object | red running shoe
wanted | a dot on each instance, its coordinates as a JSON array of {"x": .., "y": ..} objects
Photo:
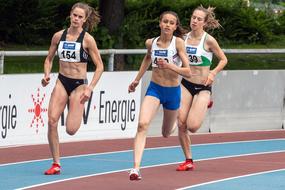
[
  {"x": 54, "y": 170},
  {"x": 210, "y": 104},
  {"x": 185, "y": 166}
]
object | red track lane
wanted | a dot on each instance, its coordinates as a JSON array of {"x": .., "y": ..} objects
[
  {"x": 164, "y": 177},
  {"x": 34, "y": 152}
]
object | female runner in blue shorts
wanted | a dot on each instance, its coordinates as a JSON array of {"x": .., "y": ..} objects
[{"x": 163, "y": 53}]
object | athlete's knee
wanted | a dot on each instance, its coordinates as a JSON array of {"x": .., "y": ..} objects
[
  {"x": 52, "y": 122},
  {"x": 71, "y": 128},
  {"x": 142, "y": 126},
  {"x": 166, "y": 134},
  {"x": 168, "y": 130},
  {"x": 193, "y": 130},
  {"x": 193, "y": 126},
  {"x": 182, "y": 127},
  {"x": 71, "y": 131}
]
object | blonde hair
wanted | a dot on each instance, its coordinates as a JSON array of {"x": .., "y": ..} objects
[
  {"x": 210, "y": 20},
  {"x": 93, "y": 17}
]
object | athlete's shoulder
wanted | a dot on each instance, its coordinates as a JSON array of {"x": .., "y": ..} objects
[
  {"x": 179, "y": 41},
  {"x": 88, "y": 38},
  {"x": 210, "y": 40},
  {"x": 148, "y": 42},
  {"x": 59, "y": 33},
  {"x": 88, "y": 35},
  {"x": 56, "y": 36},
  {"x": 209, "y": 37}
]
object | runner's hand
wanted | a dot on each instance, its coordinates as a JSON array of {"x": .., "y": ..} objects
[
  {"x": 162, "y": 63},
  {"x": 132, "y": 86},
  {"x": 210, "y": 79},
  {"x": 45, "y": 81},
  {"x": 85, "y": 95}
]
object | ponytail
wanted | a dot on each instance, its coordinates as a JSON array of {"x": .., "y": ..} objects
[{"x": 210, "y": 20}]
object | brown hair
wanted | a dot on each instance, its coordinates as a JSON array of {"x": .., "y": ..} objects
[
  {"x": 93, "y": 17},
  {"x": 180, "y": 31},
  {"x": 210, "y": 20}
]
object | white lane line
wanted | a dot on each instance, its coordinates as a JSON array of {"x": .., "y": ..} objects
[
  {"x": 157, "y": 165},
  {"x": 230, "y": 178},
  {"x": 165, "y": 147}
]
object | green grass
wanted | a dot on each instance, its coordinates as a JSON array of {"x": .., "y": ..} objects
[
  {"x": 277, "y": 42},
  {"x": 35, "y": 64},
  {"x": 25, "y": 65},
  {"x": 20, "y": 47},
  {"x": 235, "y": 61},
  {"x": 255, "y": 61}
]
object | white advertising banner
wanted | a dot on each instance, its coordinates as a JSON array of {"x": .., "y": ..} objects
[{"x": 111, "y": 112}]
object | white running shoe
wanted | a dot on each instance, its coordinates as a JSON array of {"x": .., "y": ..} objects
[{"x": 135, "y": 174}]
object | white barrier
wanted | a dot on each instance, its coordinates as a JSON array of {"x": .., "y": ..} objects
[
  {"x": 111, "y": 112},
  {"x": 112, "y": 52},
  {"x": 243, "y": 101},
  {"x": 248, "y": 100}
]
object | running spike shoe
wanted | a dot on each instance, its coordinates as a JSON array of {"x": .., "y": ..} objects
[
  {"x": 54, "y": 170},
  {"x": 185, "y": 166},
  {"x": 210, "y": 104},
  {"x": 135, "y": 174}
]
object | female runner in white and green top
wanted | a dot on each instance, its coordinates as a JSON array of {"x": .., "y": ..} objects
[{"x": 196, "y": 91}]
